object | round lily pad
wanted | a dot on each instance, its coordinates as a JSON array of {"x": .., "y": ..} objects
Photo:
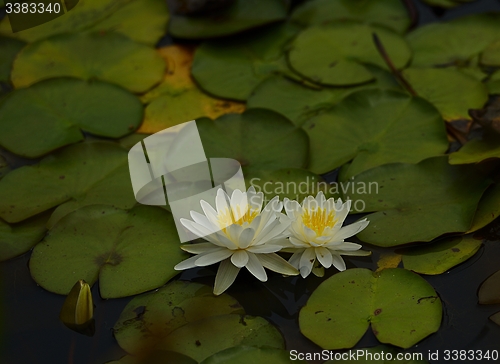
[
  {"x": 439, "y": 257},
  {"x": 417, "y": 202},
  {"x": 444, "y": 88},
  {"x": 393, "y": 302},
  {"x": 79, "y": 175},
  {"x": 259, "y": 139},
  {"x": 149, "y": 318},
  {"x": 368, "y": 126},
  {"x": 203, "y": 338},
  {"x": 488, "y": 208},
  {"x": 233, "y": 18},
  {"x": 334, "y": 54},
  {"x": 177, "y": 99},
  {"x": 489, "y": 292},
  {"x": 17, "y": 239},
  {"x": 491, "y": 55},
  {"x": 109, "y": 57},
  {"x": 251, "y": 355},
  {"x": 475, "y": 151},
  {"x": 129, "y": 251},
  {"x": 454, "y": 43},
  {"x": 53, "y": 113},
  {"x": 9, "y": 48},
  {"x": 233, "y": 67},
  {"x": 494, "y": 84},
  {"x": 388, "y": 13}
]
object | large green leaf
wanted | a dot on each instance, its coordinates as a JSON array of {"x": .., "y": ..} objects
[
  {"x": 491, "y": 55},
  {"x": 334, "y": 54},
  {"x": 455, "y": 43},
  {"x": 233, "y": 18},
  {"x": 452, "y": 92},
  {"x": 298, "y": 102},
  {"x": 17, "y": 239},
  {"x": 233, "y": 67},
  {"x": 149, "y": 318},
  {"x": 251, "y": 355},
  {"x": 9, "y": 48},
  {"x": 476, "y": 150},
  {"x": 203, "y": 338},
  {"x": 389, "y": 13},
  {"x": 417, "y": 202},
  {"x": 438, "y": 257},
  {"x": 54, "y": 113},
  {"x": 488, "y": 208},
  {"x": 143, "y": 21},
  {"x": 394, "y": 301},
  {"x": 106, "y": 56},
  {"x": 259, "y": 139},
  {"x": 129, "y": 251},
  {"x": 489, "y": 292},
  {"x": 368, "y": 126},
  {"x": 494, "y": 84},
  {"x": 79, "y": 175}
]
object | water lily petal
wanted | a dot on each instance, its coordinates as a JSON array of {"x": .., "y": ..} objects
[
  {"x": 255, "y": 199},
  {"x": 255, "y": 267},
  {"x": 203, "y": 221},
  {"x": 239, "y": 258},
  {"x": 295, "y": 258},
  {"x": 344, "y": 246},
  {"x": 338, "y": 262},
  {"x": 321, "y": 200},
  {"x": 246, "y": 238},
  {"x": 214, "y": 257},
  {"x": 292, "y": 208},
  {"x": 298, "y": 243},
  {"x": 350, "y": 230},
  {"x": 265, "y": 248},
  {"x": 200, "y": 248},
  {"x": 234, "y": 231},
  {"x": 324, "y": 256},
  {"x": 306, "y": 262},
  {"x": 187, "y": 264},
  {"x": 277, "y": 264},
  {"x": 209, "y": 212},
  {"x": 195, "y": 228},
  {"x": 221, "y": 202},
  {"x": 239, "y": 204},
  {"x": 226, "y": 274}
]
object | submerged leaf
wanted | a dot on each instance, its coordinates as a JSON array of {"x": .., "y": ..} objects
[
  {"x": 79, "y": 175},
  {"x": 489, "y": 292},
  {"x": 475, "y": 151},
  {"x": 108, "y": 57},
  {"x": 129, "y": 251},
  {"x": 177, "y": 99},
  {"x": 334, "y": 54},
  {"x": 233, "y": 18},
  {"x": 57, "y": 112},
  {"x": 417, "y": 202},
  {"x": 388, "y": 13},
  {"x": 149, "y": 318},
  {"x": 393, "y": 302},
  {"x": 369, "y": 126},
  {"x": 439, "y": 257},
  {"x": 233, "y": 67}
]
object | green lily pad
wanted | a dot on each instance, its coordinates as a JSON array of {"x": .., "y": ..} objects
[
  {"x": 106, "y": 56},
  {"x": 392, "y": 301},
  {"x": 444, "y": 88},
  {"x": 454, "y": 43},
  {"x": 251, "y": 355},
  {"x": 418, "y": 202},
  {"x": 17, "y": 239},
  {"x": 233, "y": 67},
  {"x": 57, "y": 111},
  {"x": 488, "y": 208},
  {"x": 149, "y": 318},
  {"x": 334, "y": 54},
  {"x": 298, "y": 102},
  {"x": 4, "y": 167},
  {"x": 9, "y": 48},
  {"x": 144, "y": 21},
  {"x": 203, "y": 338},
  {"x": 291, "y": 183},
  {"x": 368, "y": 126},
  {"x": 129, "y": 251},
  {"x": 389, "y": 13},
  {"x": 489, "y": 292},
  {"x": 494, "y": 84},
  {"x": 234, "y": 18},
  {"x": 475, "y": 151},
  {"x": 380, "y": 351},
  {"x": 439, "y": 257},
  {"x": 79, "y": 175},
  {"x": 491, "y": 55},
  {"x": 259, "y": 139},
  {"x": 156, "y": 357}
]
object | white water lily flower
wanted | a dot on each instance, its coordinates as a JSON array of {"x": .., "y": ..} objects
[
  {"x": 240, "y": 234},
  {"x": 316, "y": 233}
]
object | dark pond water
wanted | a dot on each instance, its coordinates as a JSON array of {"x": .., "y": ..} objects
[{"x": 32, "y": 334}]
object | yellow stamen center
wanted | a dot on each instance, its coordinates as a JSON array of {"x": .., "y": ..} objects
[
  {"x": 318, "y": 219},
  {"x": 227, "y": 217}
]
